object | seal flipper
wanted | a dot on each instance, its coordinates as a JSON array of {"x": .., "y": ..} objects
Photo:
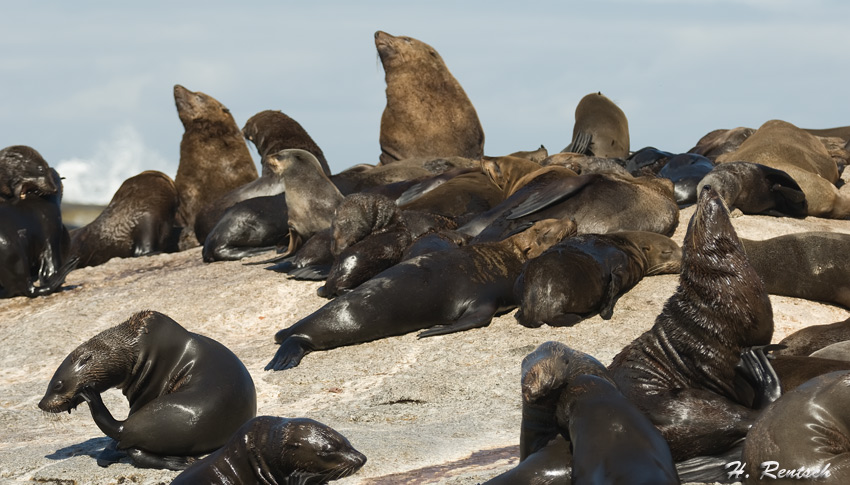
[
  {"x": 580, "y": 144},
  {"x": 56, "y": 280},
  {"x": 110, "y": 454},
  {"x": 551, "y": 194},
  {"x": 474, "y": 316},
  {"x": 289, "y": 354},
  {"x": 612, "y": 294},
  {"x": 754, "y": 368},
  {"x": 145, "y": 459}
]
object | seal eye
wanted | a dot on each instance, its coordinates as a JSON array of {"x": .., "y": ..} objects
[{"x": 58, "y": 386}]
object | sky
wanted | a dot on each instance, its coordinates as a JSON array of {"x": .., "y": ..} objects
[{"x": 89, "y": 84}]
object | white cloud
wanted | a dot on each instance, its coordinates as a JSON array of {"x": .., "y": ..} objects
[{"x": 94, "y": 179}]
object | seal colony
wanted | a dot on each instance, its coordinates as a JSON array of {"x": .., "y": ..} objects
[{"x": 449, "y": 233}]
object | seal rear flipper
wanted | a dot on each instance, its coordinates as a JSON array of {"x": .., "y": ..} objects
[
  {"x": 787, "y": 194},
  {"x": 552, "y": 193},
  {"x": 102, "y": 417},
  {"x": 580, "y": 144},
  {"x": 110, "y": 454},
  {"x": 146, "y": 459},
  {"x": 473, "y": 317},
  {"x": 289, "y": 355},
  {"x": 232, "y": 253},
  {"x": 710, "y": 468}
]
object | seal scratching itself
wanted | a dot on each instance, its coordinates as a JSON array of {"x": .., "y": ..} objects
[
  {"x": 188, "y": 393},
  {"x": 427, "y": 112},
  {"x": 601, "y": 128},
  {"x": 269, "y": 449}
]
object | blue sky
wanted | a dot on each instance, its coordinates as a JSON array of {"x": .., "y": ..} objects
[{"x": 89, "y": 84}]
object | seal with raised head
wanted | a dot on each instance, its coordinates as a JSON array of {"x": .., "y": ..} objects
[
  {"x": 272, "y": 131},
  {"x": 24, "y": 170},
  {"x": 311, "y": 198},
  {"x": 269, "y": 449},
  {"x": 804, "y": 432},
  {"x": 137, "y": 222},
  {"x": 601, "y": 128},
  {"x": 214, "y": 158},
  {"x": 188, "y": 393},
  {"x": 34, "y": 244},
  {"x": 427, "y": 112},
  {"x": 456, "y": 290},
  {"x": 681, "y": 373},
  {"x": 586, "y": 274},
  {"x": 753, "y": 188},
  {"x": 802, "y": 156},
  {"x": 804, "y": 265}
]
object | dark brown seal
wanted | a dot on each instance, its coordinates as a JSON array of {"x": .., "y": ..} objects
[
  {"x": 586, "y": 274},
  {"x": 681, "y": 372},
  {"x": 311, "y": 198},
  {"x": 269, "y": 449},
  {"x": 601, "y": 128},
  {"x": 188, "y": 393},
  {"x": 802, "y": 437},
  {"x": 137, "y": 222},
  {"x": 427, "y": 113},
  {"x": 753, "y": 188},
  {"x": 804, "y": 265},
  {"x": 272, "y": 131},
  {"x": 24, "y": 170},
  {"x": 249, "y": 227},
  {"x": 214, "y": 158},
  {"x": 785, "y": 147},
  {"x": 34, "y": 244},
  {"x": 457, "y": 289}
]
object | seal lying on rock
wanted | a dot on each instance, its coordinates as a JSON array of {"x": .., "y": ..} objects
[
  {"x": 682, "y": 371},
  {"x": 268, "y": 449},
  {"x": 188, "y": 393},
  {"x": 446, "y": 291}
]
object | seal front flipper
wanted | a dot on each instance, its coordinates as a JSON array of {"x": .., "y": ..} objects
[
  {"x": 552, "y": 193},
  {"x": 473, "y": 317},
  {"x": 289, "y": 355},
  {"x": 102, "y": 417},
  {"x": 755, "y": 368},
  {"x": 612, "y": 293}
]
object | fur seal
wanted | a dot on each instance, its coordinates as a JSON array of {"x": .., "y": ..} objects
[
  {"x": 836, "y": 351},
  {"x": 272, "y": 131},
  {"x": 753, "y": 188},
  {"x": 804, "y": 265},
  {"x": 269, "y": 449},
  {"x": 686, "y": 170},
  {"x": 599, "y": 203},
  {"x": 681, "y": 372},
  {"x": 719, "y": 142},
  {"x": 24, "y": 170},
  {"x": 647, "y": 161},
  {"x": 188, "y": 393},
  {"x": 585, "y": 164},
  {"x": 427, "y": 112},
  {"x": 534, "y": 155},
  {"x": 311, "y": 198},
  {"x": 785, "y": 147},
  {"x": 601, "y": 128},
  {"x": 137, "y": 222},
  {"x": 803, "y": 432},
  {"x": 34, "y": 244},
  {"x": 456, "y": 289},
  {"x": 813, "y": 338},
  {"x": 586, "y": 274},
  {"x": 249, "y": 227},
  {"x": 214, "y": 158},
  {"x": 460, "y": 198}
]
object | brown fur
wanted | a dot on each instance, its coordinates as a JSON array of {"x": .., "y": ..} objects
[
  {"x": 718, "y": 142},
  {"x": 272, "y": 131},
  {"x": 599, "y": 117},
  {"x": 427, "y": 113},
  {"x": 214, "y": 158}
]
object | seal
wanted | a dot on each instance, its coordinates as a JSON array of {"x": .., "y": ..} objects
[
  {"x": 272, "y": 131},
  {"x": 647, "y": 161},
  {"x": 569, "y": 394},
  {"x": 311, "y": 198},
  {"x": 686, "y": 170},
  {"x": 785, "y": 147},
  {"x": 601, "y": 128},
  {"x": 753, "y": 188},
  {"x": 804, "y": 265},
  {"x": 456, "y": 290},
  {"x": 214, "y": 158},
  {"x": 813, "y": 338},
  {"x": 24, "y": 170},
  {"x": 599, "y": 203},
  {"x": 137, "y": 222},
  {"x": 459, "y": 198},
  {"x": 805, "y": 431},
  {"x": 269, "y": 449},
  {"x": 719, "y": 142},
  {"x": 794, "y": 370},
  {"x": 510, "y": 173},
  {"x": 188, "y": 393},
  {"x": 427, "y": 112},
  {"x": 586, "y": 274},
  {"x": 249, "y": 227},
  {"x": 34, "y": 244},
  {"x": 836, "y": 351},
  {"x": 534, "y": 155},
  {"x": 681, "y": 372}
]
